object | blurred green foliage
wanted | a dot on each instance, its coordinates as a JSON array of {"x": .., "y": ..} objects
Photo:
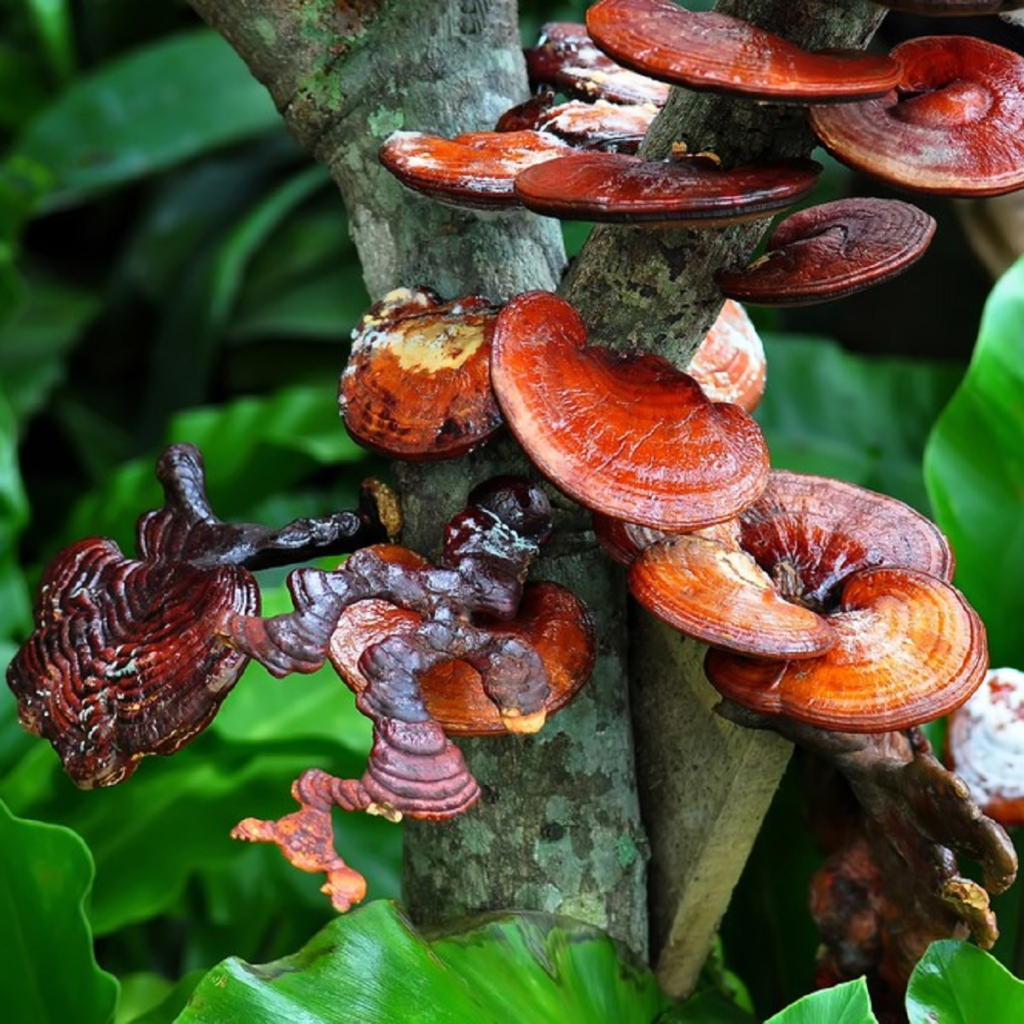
[{"x": 172, "y": 268}]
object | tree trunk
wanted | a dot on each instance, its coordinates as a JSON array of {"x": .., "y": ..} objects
[{"x": 559, "y": 827}]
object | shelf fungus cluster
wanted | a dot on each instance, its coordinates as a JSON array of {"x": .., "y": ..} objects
[
  {"x": 134, "y": 657},
  {"x": 823, "y": 603},
  {"x": 464, "y": 647}
]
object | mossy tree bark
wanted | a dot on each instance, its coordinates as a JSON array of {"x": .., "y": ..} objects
[{"x": 559, "y": 828}]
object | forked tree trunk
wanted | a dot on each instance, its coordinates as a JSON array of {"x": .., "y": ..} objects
[{"x": 559, "y": 826}]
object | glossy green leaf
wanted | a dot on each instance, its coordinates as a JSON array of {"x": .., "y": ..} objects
[
  {"x": 47, "y": 968},
  {"x": 14, "y": 598},
  {"x": 974, "y": 466},
  {"x": 153, "y": 834},
  {"x": 252, "y": 447},
  {"x": 52, "y": 22},
  {"x": 706, "y": 1008},
  {"x": 186, "y": 347},
  {"x": 848, "y": 1003},
  {"x": 860, "y": 419},
  {"x": 156, "y": 107},
  {"x": 957, "y": 983},
  {"x": 374, "y": 967},
  {"x": 35, "y": 341}
]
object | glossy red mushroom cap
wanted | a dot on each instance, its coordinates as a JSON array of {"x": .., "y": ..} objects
[
  {"x": 708, "y": 50},
  {"x": 770, "y": 586},
  {"x": 683, "y": 190},
  {"x": 954, "y": 125},
  {"x": 627, "y": 435},
  {"x": 830, "y": 251},
  {"x": 475, "y": 169},
  {"x": 418, "y": 381}
]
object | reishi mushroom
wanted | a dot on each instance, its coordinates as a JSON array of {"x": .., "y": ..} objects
[
  {"x": 417, "y": 384},
  {"x": 127, "y": 657},
  {"x": 838, "y": 597},
  {"x": 709, "y": 50},
  {"x": 659, "y": 453},
  {"x": 565, "y": 57},
  {"x": 615, "y": 127},
  {"x": 954, "y": 125},
  {"x": 985, "y": 745},
  {"x": 682, "y": 190},
  {"x": 475, "y": 169},
  {"x": 830, "y": 251},
  {"x": 729, "y": 363},
  {"x": 461, "y": 640}
]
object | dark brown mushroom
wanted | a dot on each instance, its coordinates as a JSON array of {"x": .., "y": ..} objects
[
  {"x": 550, "y": 619},
  {"x": 708, "y": 50},
  {"x": 475, "y": 169},
  {"x": 954, "y": 125},
  {"x": 417, "y": 385},
  {"x": 127, "y": 657},
  {"x": 566, "y": 58},
  {"x": 830, "y": 251},
  {"x": 679, "y": 191},
  {"x": 630, "y": 436}
]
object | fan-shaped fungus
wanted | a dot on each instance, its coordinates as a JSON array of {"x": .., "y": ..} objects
[
  {"x": 709, "y": 50},
  {"x": 830, "y": 251},
  {"x": 658, "y": 452}
]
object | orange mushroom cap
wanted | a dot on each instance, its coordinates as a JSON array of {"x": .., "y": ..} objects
[
  {"x": 417, "y": 385},
  {"x": 475, "y": 169},
  {"x": 909, "y": 649},
  {"x": 550, "y": 619},
  {"x": 708, "y": 50},
  {"x": 630, "y": 436},
  {"x": 730, "y": 363},
  {"x": 954, "y": 125},
  {"x": 769, "y": 588}
]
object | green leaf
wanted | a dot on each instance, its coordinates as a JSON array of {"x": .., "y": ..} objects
[
  {"x": 172, "y": 818},
  {"x": 848, "y": 1003},
  {"x": 974, "y": 466},
  {"x": 859, "y": 419},
  {"x": 186, "y": 348},
  {"x": 252, "y": 448},
  {"x": 52, "y": 22},
  {"x": 34, "y": 343},
  {"x": 160, "y": 105},
  {"x": 375, "y": 967},
  {"x": 957, "y": 983},
  {"x": 47, "y": 968}
]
